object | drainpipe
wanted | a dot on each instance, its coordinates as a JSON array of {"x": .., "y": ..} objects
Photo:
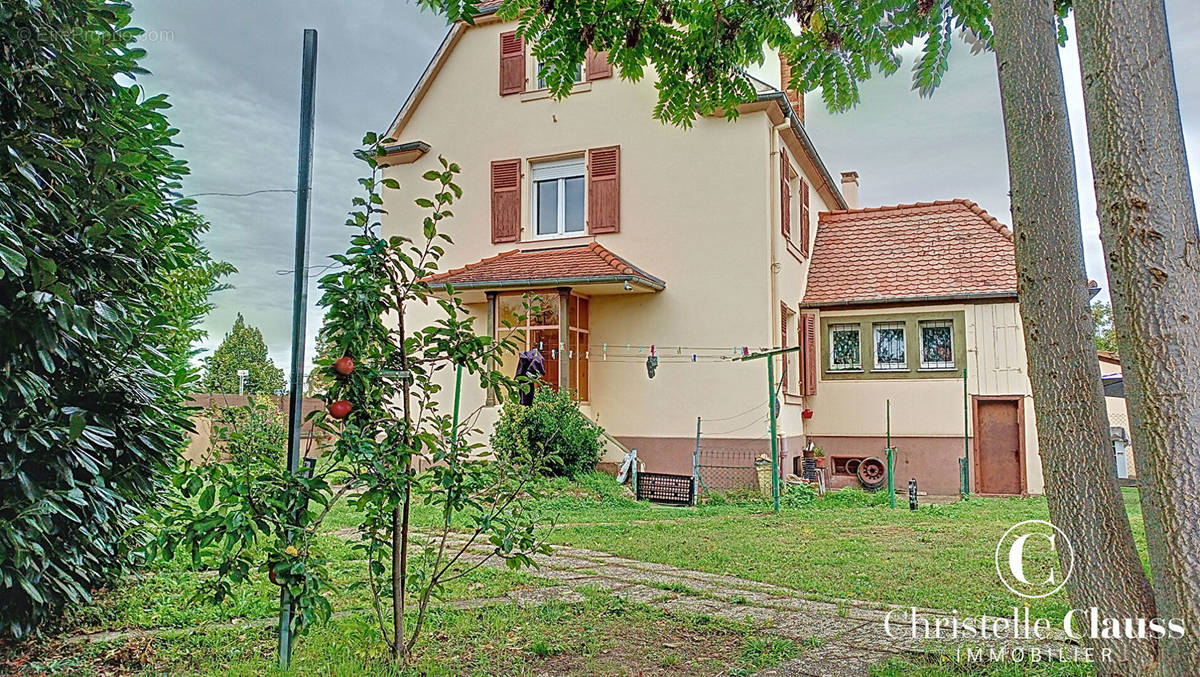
[
  {"x": 491, "y": 332},
  {"x": 564, "y": 338}
]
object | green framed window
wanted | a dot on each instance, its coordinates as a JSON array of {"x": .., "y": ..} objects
[
  {"x": 937, "y": 344},
  {"x": 845, "y": 352},
  {"x": 890, "y": 352}
]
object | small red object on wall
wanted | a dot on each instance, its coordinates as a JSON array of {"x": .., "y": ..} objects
[{"x": 807, "y": 413}]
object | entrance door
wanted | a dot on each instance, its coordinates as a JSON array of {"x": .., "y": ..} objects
[{"x": 998, "y": 430}]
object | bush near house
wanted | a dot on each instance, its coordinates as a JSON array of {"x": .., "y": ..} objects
[{"x": 552, "y": 430}]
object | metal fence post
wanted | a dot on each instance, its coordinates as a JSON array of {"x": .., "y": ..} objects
[{"x": 696, "y": 466}]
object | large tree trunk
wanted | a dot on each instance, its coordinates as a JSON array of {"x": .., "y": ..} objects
[
  {"x": 1148, "y": 226},
  {"x": 1077, "y": 458}
]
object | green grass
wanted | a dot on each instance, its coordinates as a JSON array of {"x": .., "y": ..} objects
[
  {"x": 848, "y": 544},
  {"x": 602, "y": 635},
  {"x": 946, "y": 667}
]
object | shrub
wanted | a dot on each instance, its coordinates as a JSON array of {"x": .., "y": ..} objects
[
  {"x": 552, "y": 430},
  {"x": 102, "y": 281}
]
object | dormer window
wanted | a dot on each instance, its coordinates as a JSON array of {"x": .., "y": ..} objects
[{"x": 558, "y": 189}]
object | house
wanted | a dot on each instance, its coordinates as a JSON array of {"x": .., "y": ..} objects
[
  {"x": 700, "y": 246},
  {"x": 313, "y": 440},
  {"x": 1118, "y": 414}
]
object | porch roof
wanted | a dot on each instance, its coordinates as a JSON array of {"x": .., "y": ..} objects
[{"x": 589, "y": 265}]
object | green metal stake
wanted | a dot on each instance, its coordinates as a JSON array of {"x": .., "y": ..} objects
[
  {"x": 891, "y": 459},
  {"x": 774, "y": 440},
  {"x": 966, "y": 462},
  {"x": 308, "y": 93},
  {"x": 457, "y": 395}
]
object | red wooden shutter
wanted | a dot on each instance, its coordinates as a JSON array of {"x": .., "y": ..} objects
[
  {"x": 597, "y": 65},
  {"x": 512, "y": 63},
  {"x": 785, "y": 194},
  {"x": 604, "y": 190},
  {"x": 810, "y": 358},
  {"x": 506, "y": 200},
  {"x": 804, "y": 216}
]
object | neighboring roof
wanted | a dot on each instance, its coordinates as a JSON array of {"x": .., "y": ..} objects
[
  {"x": 576, "y": 264},
  {"x": 944, "y": 250},
  {"x": 1108, "y": 356}
]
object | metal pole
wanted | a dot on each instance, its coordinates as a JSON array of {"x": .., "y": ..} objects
[
  {"x": 966, "y": 469},
  {"x": 308, "y": 87},
  {"x": 891, "y": 459},
  {"x": 696, "y": 465},
  {"x": 774, "y": 441},
  {"x": 457, "y": 393}
]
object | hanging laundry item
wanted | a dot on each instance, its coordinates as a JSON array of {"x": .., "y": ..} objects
[
  {"x": 651, "y": 365},
  {"x": 530, "y": 363}
]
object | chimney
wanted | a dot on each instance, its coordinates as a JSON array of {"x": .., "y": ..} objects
[
  {"x": 794, "y": 96},
  {"x": 850, "y": 189}
]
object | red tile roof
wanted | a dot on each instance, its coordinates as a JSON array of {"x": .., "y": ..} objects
[
  {"x": 926, "y": 250},
  {"x": 575, "y": 263}
]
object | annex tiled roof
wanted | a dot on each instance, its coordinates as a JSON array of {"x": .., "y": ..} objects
[
  {"x": 577, "y": 263},
  {"x": 947, "y": 249}
]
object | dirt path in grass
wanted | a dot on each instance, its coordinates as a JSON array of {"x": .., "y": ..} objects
[{"x": 842, "y": 638}]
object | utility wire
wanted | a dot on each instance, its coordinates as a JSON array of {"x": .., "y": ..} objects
[{"x": 253, "y": 192}]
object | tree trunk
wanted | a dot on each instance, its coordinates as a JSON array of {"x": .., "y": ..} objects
[
  {"x": 1077, "y": 458},
  {"x": 1152, "y": 249},
  {"x": 398, "y": 558}
]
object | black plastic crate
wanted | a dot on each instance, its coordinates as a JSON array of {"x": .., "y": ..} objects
[{"x": 666, "y": 489}]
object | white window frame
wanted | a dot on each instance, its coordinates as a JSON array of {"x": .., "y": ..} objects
[
  {"x": 889, "y": 366},
  {"x": 560, "y": 171},
  {"x": 541, "y": 82},
  {"x": 857, "y": 329},
  {"x": 940, "y": 365}
]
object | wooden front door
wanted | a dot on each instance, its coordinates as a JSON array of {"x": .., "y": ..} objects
[{"x": 999, "y": 466}]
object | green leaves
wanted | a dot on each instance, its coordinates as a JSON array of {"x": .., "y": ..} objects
[
  {"x": 702, "y": 52},
  {"x": 102, "y": 281}
]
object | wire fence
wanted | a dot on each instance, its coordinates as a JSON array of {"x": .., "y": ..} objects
[{"x": 724, "y": 468}]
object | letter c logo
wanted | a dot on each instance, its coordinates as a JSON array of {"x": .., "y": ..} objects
[{"x": 1014, "y": 542}]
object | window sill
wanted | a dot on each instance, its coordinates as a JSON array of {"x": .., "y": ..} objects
[
  {"x": 792, "y": 398},
  {"x": 539, "y": 94},
  {"x": 844, "y": 371},
  {"x": 891, "y": 371},
  {"x": 936, "y": 369}
]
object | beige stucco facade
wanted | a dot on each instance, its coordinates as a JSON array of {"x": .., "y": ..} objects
[
  {"x": 932, "y": 414},
  {"x": 700, "y": 210}
]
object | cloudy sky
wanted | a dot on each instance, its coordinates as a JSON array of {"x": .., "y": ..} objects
[{"x": 231, "y": 70}]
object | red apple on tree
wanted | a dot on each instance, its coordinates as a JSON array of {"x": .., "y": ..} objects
[
  {"x": 344, "y": 365},
  {"x": 340, "y": 409}
]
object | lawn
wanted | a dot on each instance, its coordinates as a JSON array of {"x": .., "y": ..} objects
[{"x": 845, "y": 545}]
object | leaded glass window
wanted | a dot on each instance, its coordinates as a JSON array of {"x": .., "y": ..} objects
[
  {"x": 845, "y": 352},
  {"x": 889, "y": 346},
  {"x": 937, "y": 344}
]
